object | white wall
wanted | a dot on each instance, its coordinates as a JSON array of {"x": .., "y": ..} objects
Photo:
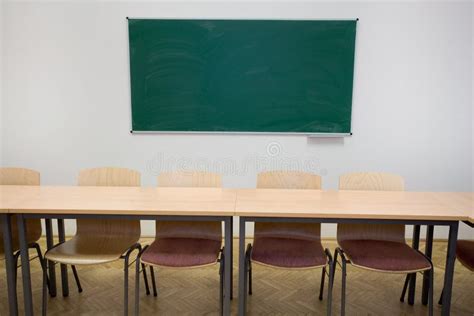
[{"x": 67, "y": 96}]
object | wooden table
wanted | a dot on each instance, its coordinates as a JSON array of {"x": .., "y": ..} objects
[
  {"x": 415, "y": 208},
  {"x": 111, "y": 202}
]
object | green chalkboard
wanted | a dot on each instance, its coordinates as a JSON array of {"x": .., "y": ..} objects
[{"x": 282, "y": 76}]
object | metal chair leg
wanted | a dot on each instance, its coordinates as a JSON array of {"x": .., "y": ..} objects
[
  {"x": 440, "y": 302},
  {"x": 153, "y": 282},
  {"x": 137, "y": 278},
  {"x": 344, "y": 275},
  {"x": 125, "y": 286},
  {"x": 405, "y": 287},
  {"x": 137, "y": 286},
  {"x": 334, "y": 263},
  {"x": 76, "y": 277},
  {"x": 221, "y": 281},
  {"x": 46, "y": 289},
  {"x": 321, "y": 287},
  {"x": 145, "y": 279},
  {"x": 430, "y": 292},
  {"x": 330, "y": 282},
  {"x": 42, "y": 262},
  {"x": 16, "y": 256},
  {"x": 248, "y": 254},
  {"x": 126, "y": 257}
]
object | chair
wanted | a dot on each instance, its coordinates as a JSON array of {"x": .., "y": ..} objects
[
  {"x": 377, "y": 247},
  {"x": 289, "y": 245},
  {"x": 21, "y": 176},
  {"x": 184, "y": 244},
  {"x": 465, "y": 255},
  {"x": 99, "y": 241}
]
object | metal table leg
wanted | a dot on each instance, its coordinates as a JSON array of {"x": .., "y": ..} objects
[
  {"x": 9, "y": 264},
  {"x": 232, "y": 257},
  {"x": 228, "y": 265},
  {"x": 51, "y": 265},
  {"x": 415, "y": 245},
  {"x": 428, "y": 253},
  {"x": 449, "y": 272},
  {"x": 242, "y": 272},
  {"x": 64, "y": 278},
  {"x": 25, "y": 266}
]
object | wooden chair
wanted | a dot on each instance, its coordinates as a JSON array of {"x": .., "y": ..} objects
[
  {"x": 21, "y": 176},
  {"x": 377, "y": 247},
  {"x": 184, "y": 244},
  {"x": 99, "y": 241},
  {"x": 289, "y": 245}
]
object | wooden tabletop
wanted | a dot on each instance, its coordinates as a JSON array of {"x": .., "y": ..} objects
[
  {"x": 354, "y": 204},
  {"x": 240, "y": 202},
  {"x": 117, "y": 200},
  {"x": 463, "y": 201}
]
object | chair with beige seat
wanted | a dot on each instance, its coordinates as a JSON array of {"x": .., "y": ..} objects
[
  {"x": 22, "y": 176},
  {"x": 99, "y": 241},
  {"x": 184, "y": 244},
  {"x": 377, "y": 247},
  {"x": 289, "y": 245}
]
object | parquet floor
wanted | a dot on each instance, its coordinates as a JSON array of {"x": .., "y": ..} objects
[{"x": 276, "y": 291}]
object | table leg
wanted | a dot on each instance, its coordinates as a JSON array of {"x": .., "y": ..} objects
[
  {"x": 228, "y": 265},
  {"x": 9, "y": 264},
  {"x": 232, "y": 257},
  {"x": 449, "y": 272},
  {"x": 64, "y": 278},
  {"x": 25, "y": 266},
  {"x": 428, "y": 253},
  {"x": 242, "y": 272},
  {"x": 415, "y": 245},
  {"x": 51, "y": 265}
]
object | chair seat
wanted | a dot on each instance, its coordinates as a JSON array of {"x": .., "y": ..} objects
[
  {"x": 465, "y": 253},
  {"x": 82, "y": 250},
  {"x": 288, "y": 253},
  {"x": 385, "y": 256},
  {"x": 182, "y": 252}
]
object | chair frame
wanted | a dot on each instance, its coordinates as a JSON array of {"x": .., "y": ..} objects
[
  {"x": 248, "y": 270},
  {"x": 220, "y": 260},
  {"x": 125, "y": 257},
  {"x": 344, "y": 261},
  {"x": 89, "y": 177},
  {"x": 24, "y": 176},
  {"x": 283, "y": 179}
]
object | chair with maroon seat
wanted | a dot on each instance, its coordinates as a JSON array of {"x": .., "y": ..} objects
[
  {"x": 465, "y": 255},
  {"x": 184, "y": 244},
  {"x": 377, "y": 247},
  {"x": 289, "y": 245}
]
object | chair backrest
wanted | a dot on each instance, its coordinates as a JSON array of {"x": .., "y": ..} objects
[
  {"x": 111, "y": 227},
  {"x": 187, "y": 229},
  {"x": 371, "y": 181},
  {"x": 288, "y": 180},
  {"x": 189, "y": 179},
  {"x": 21, "y": 176}
]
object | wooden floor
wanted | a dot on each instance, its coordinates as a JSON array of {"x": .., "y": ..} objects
[{"x": 276, "y": 291}]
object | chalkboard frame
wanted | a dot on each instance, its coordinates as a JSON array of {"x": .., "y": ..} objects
[{"x": 308, "y": 134}]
